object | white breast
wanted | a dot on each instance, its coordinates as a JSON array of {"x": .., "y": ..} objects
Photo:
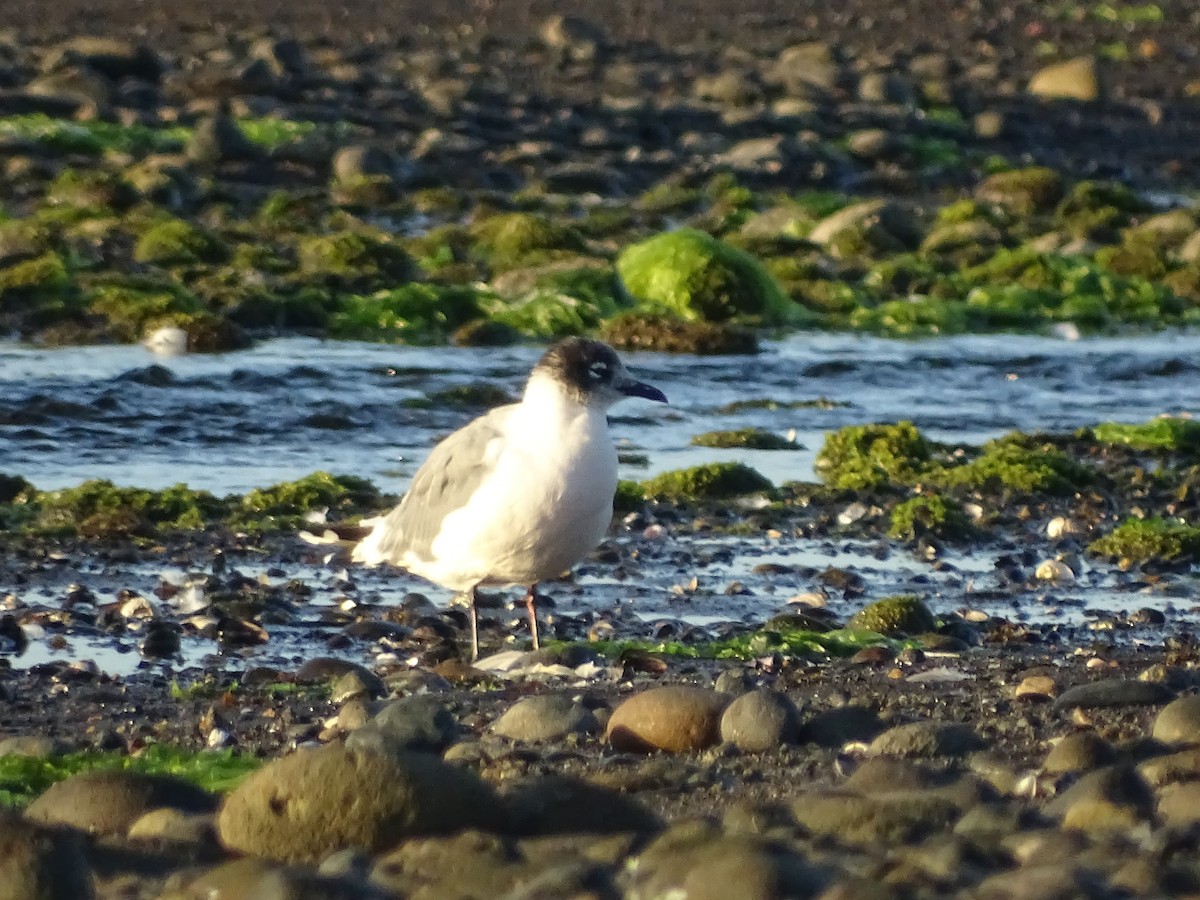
[{"x": 547, "y": 503}]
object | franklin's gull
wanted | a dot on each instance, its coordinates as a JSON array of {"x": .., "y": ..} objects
[{"x": 520, "y": 494}]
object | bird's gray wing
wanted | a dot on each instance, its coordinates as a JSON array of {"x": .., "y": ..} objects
[{"x": 445, "y": 482}]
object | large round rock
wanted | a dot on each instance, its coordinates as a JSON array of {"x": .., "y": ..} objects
[
  {"x": 39, "y": 863},
  {"x": 1179, "y": 721},
  {"x": 305, "y": 806},
  {"x": 544, "y": 717},
  {"x": 760, "y": 720},
  {"x": 676, "y": 718}
]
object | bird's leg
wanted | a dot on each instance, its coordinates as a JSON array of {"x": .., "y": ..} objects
[
  {"x": 473, "y": 615},
  {"x": 531, "y": 607}
]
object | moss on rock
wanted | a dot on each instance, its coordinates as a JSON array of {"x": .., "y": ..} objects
[
  {"x": 1019, "y": 463},
  {"x": 412, "y": 314},
  {"x": 745, "y": 438},
  {"x": 930, "y": 514},
  {"x": 512, "y": 240},
  {"x": 282, "y": 506},
  {"x": 694, "y": 276},
  {"x": 356, "y": 261},
  {"x": 42, "y": 274},
  {"x": 175, "y": 242},
  {"x": 1169, "y": 434},
  {"x": 900, "y": 614},
  {"x": 99, "y": 509},
  {"x": 712, "y": 481},
  {"x": 1026, "y": 191},
  {"x": 1150, "y": 540},
  {"x": 861, "y": 457}
]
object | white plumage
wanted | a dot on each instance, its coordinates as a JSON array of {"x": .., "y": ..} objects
[{"x": 520, "y": 494}]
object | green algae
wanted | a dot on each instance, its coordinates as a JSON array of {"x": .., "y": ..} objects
[
  {"x": 1165, "y": 434},
  {"x": 131, "y": 309},
  {"x": 22, "y": 778},
  {"x": 174, "y": 242},
  {"x": 44, "y": 274},
  {"x": 355, "y": 261},
  {"x": 772, "y": 405},
  {"x": 692, "y": 275},
  {"x": 745, "y": 438},
  {"x": 930, "y": 514},
  {"x": 1024, "y": 191},
  {"x": 799, "y": 642},
  {"x": 93, "y": 138},
  {"x": 712, "y": 481},
  {"x": 412, "y": 314},
  {"x": 512, "y": 240},
  {"x": 1150, "y": 540},
  {"x": 900, "y": 614},
  {"x": 561, "y": 303},
  {"x": 99, "y": 509},
  {"x": 862, "y": 457},
  {"x": 1018, "y": 463},
  {"x": 281, "y": 507}
]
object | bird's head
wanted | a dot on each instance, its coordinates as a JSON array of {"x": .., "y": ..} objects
[{"x": 592, "y": 373}]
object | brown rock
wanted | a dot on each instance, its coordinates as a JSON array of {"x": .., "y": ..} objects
[
  {"x": 676, "y": 718},
  {"x": 305, "y": 806},
  {"x": 109, "y": 802},
  {"x": 1075, "y": 79}
]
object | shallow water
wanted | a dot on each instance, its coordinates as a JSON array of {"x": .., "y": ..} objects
[{"x": 286, "y": 408}]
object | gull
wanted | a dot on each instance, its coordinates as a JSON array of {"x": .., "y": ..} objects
[{"x": 520, "y": 494}]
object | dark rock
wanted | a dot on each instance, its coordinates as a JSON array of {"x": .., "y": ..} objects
[
  {"x": 38, "y": 863},
  {"x": 926, "y": 740},
  {"x": 544, "y": 717},
  {"x": 1179, "y": 721},
  {"x": 561, "y": 805},
  {"x": 1112, "y": 692},
  {"x": 760, "y": 720},
  {"x": 421, "y": 724}
]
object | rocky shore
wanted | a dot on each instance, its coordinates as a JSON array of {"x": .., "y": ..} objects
[{"x": 688, "y": 179}]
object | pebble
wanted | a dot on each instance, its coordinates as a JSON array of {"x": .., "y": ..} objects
[
  {"x": 760, "y": 720},
  {"x": 1037, "y": 688},
  {"x": 1179, "y": 721},
  {"x": 1081, "y": 751},
  {"x": 926, "y": 740},
  {"x": 421, "y": 723},
  {"x": 544, "y": 717},
  {"x": 674, "y": 718}
]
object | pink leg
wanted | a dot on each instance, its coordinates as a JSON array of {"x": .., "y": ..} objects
[{"x": 531, "y": 608}]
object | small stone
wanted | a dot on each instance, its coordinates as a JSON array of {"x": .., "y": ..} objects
[
  {"x": 1179, "y": 721},
  {"x": 1181, "y": 766},
  {"x": 1075, "y": 79},
  {"x": 1179, "y": 804},
  {"x": 174, "y": 826},
  {"x": 109, "y": 802},
  {"x": 926, "y": 740},
  {"x": 1111, "y": 798},
  {"x": 675, "y": 718},
  {"x": 759, "y": 721},
  {"x": 1037, "y": 688},
  {"x": 1111, "y": 692},
  {"x": 1079, "y": 752},
  {"x": 544, "y": 717},
  {"x": 420, "y": 723}
]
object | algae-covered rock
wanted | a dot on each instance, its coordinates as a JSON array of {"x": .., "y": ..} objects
[
  {"x": 356, "y": 261},
  {"x": 1150, "y": 540},
  {"x": 558, "y": 299},
  {"x": 1024, "y": 191},
  {"x": 282, "y": 506},
  {"x": 174, "y": 242},
  {"x": 692, "y": 275},
  {"x": 930, "y": 514},
  {"x": 860, "y": 457},
  {"x": 1169, "y": 434},
  {"x": 46, "y": 273},
  {"x": 129, "y": 309},
  {"x": 712, "y": 481},
  {"x": 99, "y": 509},
  {"x": 411, "y": 314},
  {"x": 745, "y": 438},
  {"x": 867, "y": 227},
  {"x": 671, "y": 334},
  {"x": 896, "y": 615},
  {"x": 511, "y": 240},
  {"x": 1018, "y": 463},
  {"x": 302, "y": 807}
]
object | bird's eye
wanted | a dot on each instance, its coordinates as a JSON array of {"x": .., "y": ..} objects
[{"x": 599, "y": 371}]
